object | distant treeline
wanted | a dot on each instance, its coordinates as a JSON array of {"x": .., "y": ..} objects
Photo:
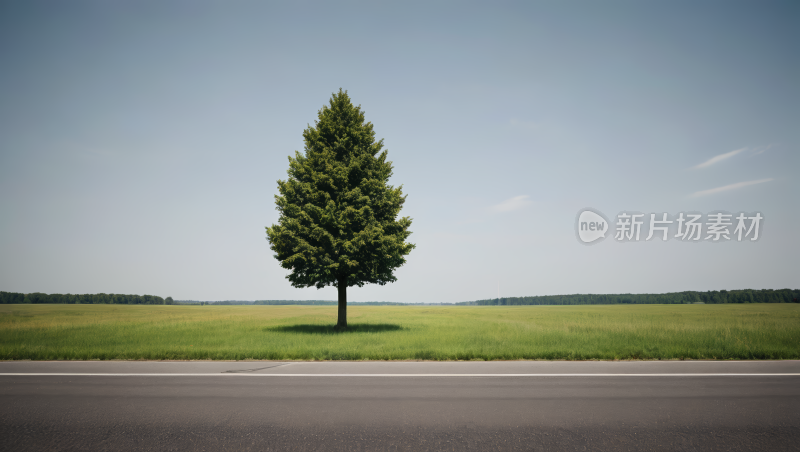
[
  {"x": 289, "y": 302},
  {"x": 264, "y": 302},
  {"x": 327, "y": 303},
  {"x": 226, "y": 302},
  {"x": 98, "y": 298},
  {"x": 711, "y": 297},
  {"x": 297, "y": 302}
]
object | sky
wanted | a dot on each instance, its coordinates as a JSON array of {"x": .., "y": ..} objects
[{"x": 141, "y": 142}]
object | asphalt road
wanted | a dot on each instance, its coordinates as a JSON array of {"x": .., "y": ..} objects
[{"x": 400, "y": 406}]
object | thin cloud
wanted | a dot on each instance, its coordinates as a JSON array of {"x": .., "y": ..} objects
[
  {"x": 714, "y": 191},
  {"x": 515, "y": 203},
  {"x": 761, "y": 149},
  {"x": 718, "y": 158}
]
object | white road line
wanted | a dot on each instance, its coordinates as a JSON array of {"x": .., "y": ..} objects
[{"x": 226, "y": 374}]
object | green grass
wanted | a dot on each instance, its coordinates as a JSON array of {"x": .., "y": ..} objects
[{"x": 749, "y": 331}]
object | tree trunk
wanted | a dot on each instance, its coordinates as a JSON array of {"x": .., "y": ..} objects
[{"x": 342, "y": 287}]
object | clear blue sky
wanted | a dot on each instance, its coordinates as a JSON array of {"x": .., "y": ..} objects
[{"x": 140, "y": 142}]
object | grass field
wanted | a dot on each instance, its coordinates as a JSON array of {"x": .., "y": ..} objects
[{"x": 733, "y": 331}]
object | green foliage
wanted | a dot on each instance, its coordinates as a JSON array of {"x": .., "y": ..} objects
[
  {"x": 338, "y": 214},
  {"x": 709, "y": 331},
  {"x": 11, "y": 297}
]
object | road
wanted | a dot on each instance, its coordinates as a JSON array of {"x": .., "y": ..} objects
[{"x": 519, "y": 405}]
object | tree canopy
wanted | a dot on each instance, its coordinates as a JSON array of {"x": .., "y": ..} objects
[
  {"x": 99, "y": 298},
  {"x": 338, "y": 223}
]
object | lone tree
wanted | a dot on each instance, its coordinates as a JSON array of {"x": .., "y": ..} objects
[{"x": 338, "y": 222}]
